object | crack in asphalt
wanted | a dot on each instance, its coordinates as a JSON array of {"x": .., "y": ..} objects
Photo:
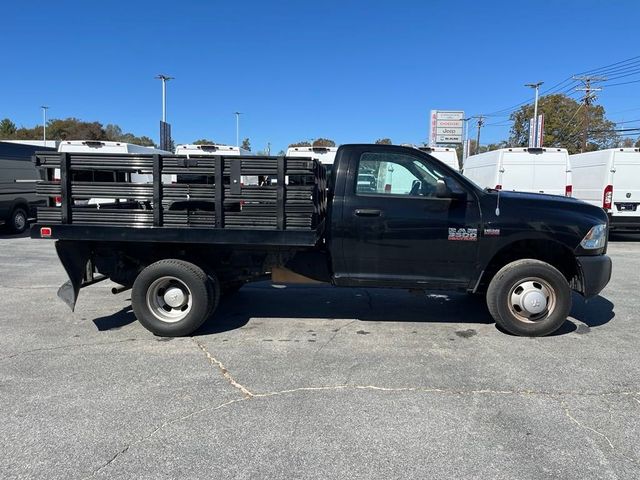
[
  {"x": 249, "y": 395},
  {"x": 225, "y": 373},
  {"x": 71, "y": 345},
  {"x": 335, "y": 333},
  {"x": 597, "y": 432}
]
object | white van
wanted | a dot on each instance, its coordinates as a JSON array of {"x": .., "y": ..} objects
[
  {"x": 213, "y": 149},
  {"x": 100, "y": 146},
  {"x": 446, "y": 155},
  {"x": 610, "y": 179},
  {"x": 534, "y": 170},
  {"x": 325, "y": 155}
]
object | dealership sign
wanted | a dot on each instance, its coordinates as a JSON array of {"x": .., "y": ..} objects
[{"x": 446, "y": 127}]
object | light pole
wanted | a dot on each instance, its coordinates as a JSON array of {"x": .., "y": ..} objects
[
  {"x": 535, "y": 111},
  {"x": 165, "y": 79},
  {"x": 237, "y": 114},
  {"x": 44, "y": 124},
  {"x": 465, "y": 141}
]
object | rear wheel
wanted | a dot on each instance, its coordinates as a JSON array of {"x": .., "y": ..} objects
[
  {"x": 19, "y": 220},
  {"x": 529, "y": 298},
  {"x": 173, "y": 298}
]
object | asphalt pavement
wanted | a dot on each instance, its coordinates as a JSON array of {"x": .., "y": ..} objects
[{"x": 314, "y": 382}]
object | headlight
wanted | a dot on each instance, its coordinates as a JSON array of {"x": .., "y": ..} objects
[{"x": 596, "y": 238}]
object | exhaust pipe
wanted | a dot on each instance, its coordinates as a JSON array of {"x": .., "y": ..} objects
[{"x": 120, "y": 289}]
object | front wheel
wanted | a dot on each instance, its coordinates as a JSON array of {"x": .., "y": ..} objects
[
  {"x": 529, "y": 298},
  {"x": 173, "y": 298}
]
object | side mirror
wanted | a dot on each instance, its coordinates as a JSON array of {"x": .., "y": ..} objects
[{"x": 442, "y": 190}]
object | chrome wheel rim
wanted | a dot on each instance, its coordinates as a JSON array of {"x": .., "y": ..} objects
[
  {"x": 532, "y": 300},
  {"x": 20, "y": 221},
  {"x": 169, "y": 299}
]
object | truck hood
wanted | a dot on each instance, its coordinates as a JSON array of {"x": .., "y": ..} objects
[{"x": 554, "y": 216}]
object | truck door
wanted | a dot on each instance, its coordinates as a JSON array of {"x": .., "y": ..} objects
[{"x": 395, "y": 229}]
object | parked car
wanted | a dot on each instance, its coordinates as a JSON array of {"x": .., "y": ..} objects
[
  {"x": 610, "y": 179},
  {"x": 446, "y": 155}
]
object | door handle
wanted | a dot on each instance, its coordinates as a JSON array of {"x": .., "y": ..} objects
[{"x": 367, "y": 212}]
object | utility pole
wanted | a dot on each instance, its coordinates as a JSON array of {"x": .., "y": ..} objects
[
  {"x": 587, "y": 100},
  {"x": 535, "y": 112},
  {"x": 165, "y": 79},
  {"x": 237, "y": 114},
  {"x": 44, "y": 124},
  {"x": 480, "y": 124}
]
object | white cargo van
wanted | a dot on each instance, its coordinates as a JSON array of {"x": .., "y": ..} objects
[
  {"x": 610, "y": 179},
  {"x": 213, "y": 149},
  {"x": 446, "y": 155},
  {"x": 109, "y": 147},
  {"x": 535, "y": 170},
  {"x": 325, "y": 155}
]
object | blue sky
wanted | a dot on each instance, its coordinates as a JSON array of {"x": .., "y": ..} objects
[{"x": 351, "y": 71}]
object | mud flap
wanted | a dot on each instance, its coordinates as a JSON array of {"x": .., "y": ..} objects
[{"x": 74, "y": 257}]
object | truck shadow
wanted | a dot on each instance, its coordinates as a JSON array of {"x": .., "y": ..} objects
[
  {"x": 380, "y": 305},
  {"x": 6, "y": 233}
]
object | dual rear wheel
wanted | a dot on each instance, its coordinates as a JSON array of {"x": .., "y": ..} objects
[{"x": 173, "y": 298}]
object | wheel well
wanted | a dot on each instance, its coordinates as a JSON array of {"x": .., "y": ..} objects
[
  {"x": 548, "y": 251},
  {"x": 20, "y": 203}
]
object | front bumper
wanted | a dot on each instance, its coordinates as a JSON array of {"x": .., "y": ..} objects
[{"x": 595, "y": 273}]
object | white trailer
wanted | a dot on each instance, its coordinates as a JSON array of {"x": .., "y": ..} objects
[
  {"x": 610, "y": 179},
  {"x": 535, "y": 170},
  {"x": 446, "y": 155}
]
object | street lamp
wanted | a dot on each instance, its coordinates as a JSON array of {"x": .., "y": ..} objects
[
  {"x": 237, "y": 114},
  {"x": 44, "y": 124},
  {"x": 165, "y": 79},
  {"x": 535, "y": 109}
]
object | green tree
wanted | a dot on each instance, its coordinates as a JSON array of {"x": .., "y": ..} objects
[
  {"x": 303, "y": 143},
  {"x": 7, "y": 129},
  {"x": 323, "y": 142},
  {"x": 246, "y": 144},
  {"x": 384, "y": 141},
  {"x": 204, "y": 141},
  {"x": 564, "y": 119}
]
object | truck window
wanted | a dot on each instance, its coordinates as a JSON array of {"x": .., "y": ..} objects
[{"x": 398, "y": 174}]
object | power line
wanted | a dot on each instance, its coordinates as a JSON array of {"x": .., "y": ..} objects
[
  {"x": 599, "y": 69},
  {"x": 622, "y": 83}
]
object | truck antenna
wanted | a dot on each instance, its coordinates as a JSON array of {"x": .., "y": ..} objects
[{"x": 498, "y": 204}]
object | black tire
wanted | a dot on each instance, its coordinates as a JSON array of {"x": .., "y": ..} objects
[
  {"x": 198, "y": 292},
  {"x": 19, "y": 220},
  {"x": 537, "y": 279}
]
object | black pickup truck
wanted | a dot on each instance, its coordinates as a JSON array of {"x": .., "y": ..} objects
[{"x": 387, "y": 216}]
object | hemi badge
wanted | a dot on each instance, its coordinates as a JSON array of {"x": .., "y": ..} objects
[{"x": 45, "y": 232}]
